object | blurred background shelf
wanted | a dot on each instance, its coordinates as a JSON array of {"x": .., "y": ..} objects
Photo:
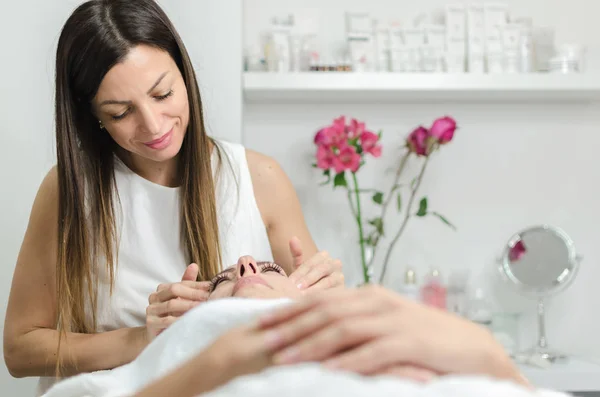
[{"x": 398, "y": 87}]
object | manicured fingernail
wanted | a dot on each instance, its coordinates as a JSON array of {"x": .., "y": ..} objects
[
  {"x": 273, "y": 339},
  {"x": 287, "y": 356}
]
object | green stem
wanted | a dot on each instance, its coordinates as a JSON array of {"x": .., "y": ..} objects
[
  {"x": 360, "y": 230},
  {"x": 351, "y": 204},
  {"x": 388, "y": 197},
  {"x": 405, "y": 221}
]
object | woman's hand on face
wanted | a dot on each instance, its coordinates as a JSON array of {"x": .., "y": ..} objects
[
  {"x": 319, "y": 272},
  {"x": 171, "y": 301},
  {"x": 373, "y": 331}
]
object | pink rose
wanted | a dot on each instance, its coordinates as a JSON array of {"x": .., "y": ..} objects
[
  {"x": 347, "y": 159},
  {"x": 369, "y": 141},
  {"x": 324, "y": 157},
  {"x": 355, "y": 129},
  {"x": 443, "y": 129},
  {"x": 417, "y": 141}
]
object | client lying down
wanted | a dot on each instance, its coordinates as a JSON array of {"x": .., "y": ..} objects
[{"x": 274, "y": 342}]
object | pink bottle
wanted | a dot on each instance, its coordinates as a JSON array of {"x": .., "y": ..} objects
[{"x": 433, "y": 292}]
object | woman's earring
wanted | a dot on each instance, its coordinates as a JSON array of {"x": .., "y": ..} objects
[{"x": 101, "y": 125}]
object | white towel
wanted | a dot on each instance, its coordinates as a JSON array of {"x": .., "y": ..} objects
[{"x": 202, "y": 325}]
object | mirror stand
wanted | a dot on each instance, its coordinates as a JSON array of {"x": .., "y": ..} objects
[
  {"x": 541, "y": 350},
  {"x": 540, "y": 262}
]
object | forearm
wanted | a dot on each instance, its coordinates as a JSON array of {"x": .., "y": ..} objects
[
  {"x": 199, "y": 375},
  {"x": 34, "y": 353}
]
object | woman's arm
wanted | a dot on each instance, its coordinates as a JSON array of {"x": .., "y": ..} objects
[
  {"x": 399, "y": 334},
  {"x": 241, "y": 351},
  {"x": 30, "y": 336},
  {"x": 280, "y": 209},
  {"x": 199, "y": 375}
]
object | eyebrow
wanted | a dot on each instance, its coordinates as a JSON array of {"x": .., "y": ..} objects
[{"x": 113, "y": 102}]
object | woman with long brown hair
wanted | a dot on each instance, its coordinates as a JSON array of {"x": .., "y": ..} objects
[{"x": 138, "y": 193}]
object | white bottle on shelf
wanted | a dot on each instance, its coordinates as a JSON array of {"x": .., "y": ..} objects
[{"x": 410, "y": 289}]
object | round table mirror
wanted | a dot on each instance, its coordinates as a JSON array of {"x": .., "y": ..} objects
[{"x": 540, "y": 261}]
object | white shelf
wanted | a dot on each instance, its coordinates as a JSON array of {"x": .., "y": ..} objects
[
  {"x": 575, "y": 375},
  {"x": 400, "y": 87}
]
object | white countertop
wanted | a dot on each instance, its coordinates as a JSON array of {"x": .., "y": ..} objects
[{"x": 574, "y": 375}]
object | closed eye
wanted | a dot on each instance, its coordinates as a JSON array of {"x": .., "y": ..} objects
[
  {"x": 121, "y": 116},
  {"x": 158, "y": 98},
  {"x": 218, "y": 280},
  {"x": 271, "y": 267},
  {"x": 165, "y": 96}
]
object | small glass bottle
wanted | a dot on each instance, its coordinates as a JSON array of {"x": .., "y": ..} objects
[
  {"x": 433, "y": 292},
  {"x": 410, "y": 289},
  {"x": 480, "y": 310},
  {"x": 457, "y": 292}
]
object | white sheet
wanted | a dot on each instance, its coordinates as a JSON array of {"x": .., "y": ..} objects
[{"x": 201, "y": 326}]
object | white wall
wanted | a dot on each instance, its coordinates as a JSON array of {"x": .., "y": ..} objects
[
  {"x": 29, "y": 32},
  {"x": 510, "y": 166}
]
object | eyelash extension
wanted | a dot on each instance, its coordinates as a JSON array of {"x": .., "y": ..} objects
[
  {"x": 267, "y": 267},
  {"x": 217, "y": 280},
  {"x": 158, "y": 98}
]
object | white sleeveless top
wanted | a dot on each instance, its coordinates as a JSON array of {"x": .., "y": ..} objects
[{"x": 150, "y": 250}]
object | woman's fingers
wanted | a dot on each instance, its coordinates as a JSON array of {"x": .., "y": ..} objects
[
  {"x": 338, "y": 298},
  {"x": 307, "y": 266},
  {"x": 308, "y": 303},
  {"x": 332, "y": 281},
  {"x": 201, "y": 285},
  {"x": 296, "y": 252},
  {"x": 174, "y": 307},
  {"x": 322, "y": 341},
  {"x": 325, "y": 329},
  {"x": 179, "y": 290},
  {"x": 378, "y": 355},
  {"x": 191, "y": 272},
  {"x": 318, "y": 272},
  {"x": 417, "y": 374},
  {"x": 156, "y": 324}
]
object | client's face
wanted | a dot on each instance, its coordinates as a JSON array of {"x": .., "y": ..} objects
[{"x": 252, "y": 279}]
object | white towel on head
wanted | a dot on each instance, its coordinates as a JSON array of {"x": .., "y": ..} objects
[{"x": 202, "y": 325}]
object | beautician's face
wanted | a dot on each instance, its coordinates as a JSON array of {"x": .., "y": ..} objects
[
  {"x": 259, "y": 280},
  {"x": 143, "y": 104}
]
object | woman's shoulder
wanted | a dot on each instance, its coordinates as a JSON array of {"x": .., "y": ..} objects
[
  {"x": 265, "y": 171},
  {"x": 47, "y": 194},
  {"x": 259, "y": 164}
]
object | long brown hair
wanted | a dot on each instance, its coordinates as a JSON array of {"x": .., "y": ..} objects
[{"x": 98, "y": 35}]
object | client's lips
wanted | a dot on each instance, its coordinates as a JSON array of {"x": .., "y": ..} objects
[{"x": 250, "y": 280}]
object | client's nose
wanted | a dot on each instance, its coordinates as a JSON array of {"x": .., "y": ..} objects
[{"x": 246, "y": 267}]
